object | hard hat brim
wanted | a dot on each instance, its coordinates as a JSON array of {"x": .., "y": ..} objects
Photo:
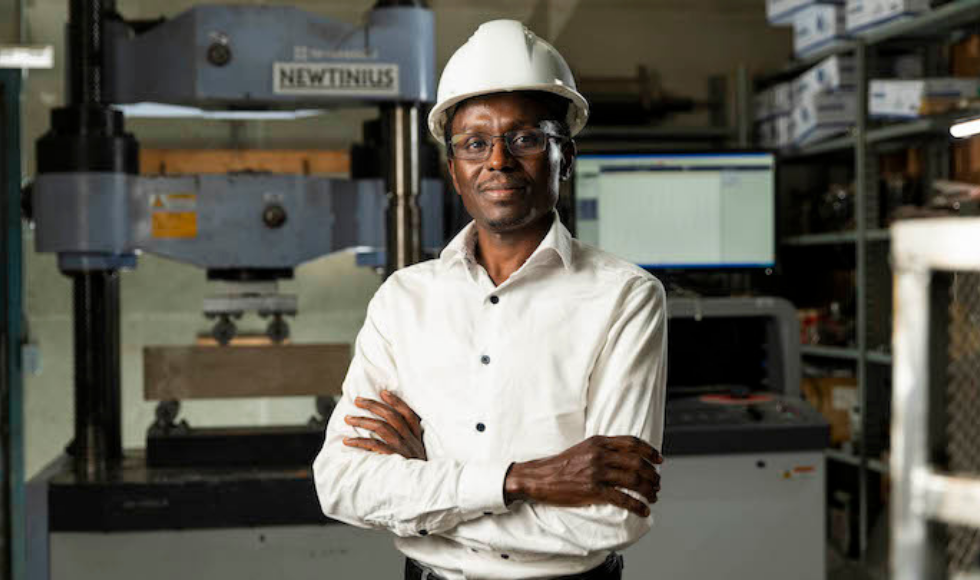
[{"x": 578, "y": 112}]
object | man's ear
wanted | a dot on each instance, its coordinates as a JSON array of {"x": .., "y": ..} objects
[{"x": 568, "y": 153}]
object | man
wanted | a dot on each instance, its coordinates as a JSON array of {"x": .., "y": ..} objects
[{"x": 504, "y": 405}]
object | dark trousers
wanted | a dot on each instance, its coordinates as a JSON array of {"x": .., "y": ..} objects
[{"x": 611, "y": 569}]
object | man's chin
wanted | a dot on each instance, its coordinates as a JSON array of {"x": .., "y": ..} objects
[{"x": 507, "y": 223}]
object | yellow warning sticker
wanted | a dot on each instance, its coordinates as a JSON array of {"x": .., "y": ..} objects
[
  {"x": 173, "y": 201},
  {"x": 174, "y": 224}
]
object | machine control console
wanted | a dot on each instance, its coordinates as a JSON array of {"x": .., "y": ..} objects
[{"x": 742, "y": 424}]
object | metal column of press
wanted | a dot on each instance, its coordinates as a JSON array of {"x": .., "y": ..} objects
[
  {"x": 87, "y": 136},
  {"x": 404, "y": 244},
  {"x": 400, "y": 126}
]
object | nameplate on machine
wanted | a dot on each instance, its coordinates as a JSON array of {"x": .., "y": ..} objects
[{"x": 348, "y": 79}]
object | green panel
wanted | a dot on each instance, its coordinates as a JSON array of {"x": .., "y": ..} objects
[{"x": 10, "y": 187}]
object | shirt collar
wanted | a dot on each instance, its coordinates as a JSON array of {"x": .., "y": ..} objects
[{"x": 557, "y": 241}]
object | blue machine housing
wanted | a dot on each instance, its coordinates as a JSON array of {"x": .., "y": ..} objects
[{"x": 273, "y": 57}]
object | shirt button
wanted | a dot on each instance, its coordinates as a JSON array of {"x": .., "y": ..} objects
[
  {"x": 485, "y": 359},
  {"x": 494, "y": 300},
  {"x": 423, "y": 532},
  {"x": 505, "y": 556},
  {"x": 481, "y": 427},
  {"x": 488, "y": 513}
]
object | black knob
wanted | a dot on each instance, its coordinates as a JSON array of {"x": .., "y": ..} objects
[
  {"x": 274, "y": 216},
  {"x": 219, "y": 54}
]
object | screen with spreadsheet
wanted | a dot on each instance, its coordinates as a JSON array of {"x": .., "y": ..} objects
[{"x": 684, "y": 210}]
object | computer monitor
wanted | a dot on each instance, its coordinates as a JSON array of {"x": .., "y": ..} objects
[{"x": 679, "y": 210}]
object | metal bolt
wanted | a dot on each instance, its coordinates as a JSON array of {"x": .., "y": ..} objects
[
  {"x": 274, "y": 216},
  {"x": 219, "y": 54}
]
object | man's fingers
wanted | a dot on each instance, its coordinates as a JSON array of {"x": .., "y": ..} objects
[
  {"x": 632, "y": 481},
  {"x": 383, "y": 429},
  {"x": 391, "y": 416},
  {"x": 633, "y": 463},
  {"x": 633, "y": 445},
  {"x": 369, "y": 445},
  {"x": 411, "y": 417},
  {"x": 630, "y": 504}
]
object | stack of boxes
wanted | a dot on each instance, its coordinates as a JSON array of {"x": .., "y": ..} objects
[
  {"x": 818, "y": 27},
  {"x": 863, "y": 15},
  {"x": 818, "y": 104},
  {"x": 910, "y": 99},
  {"x": 817, "y": 24},
  {"x": 822, "y": 101},
  {"x": 773, "y": 111}
]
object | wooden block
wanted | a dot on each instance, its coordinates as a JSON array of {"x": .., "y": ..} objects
[
  {"x": 220, "y": 161},
  {"x": 214, "y": 372},
  {"x": 238, "y": 340}
]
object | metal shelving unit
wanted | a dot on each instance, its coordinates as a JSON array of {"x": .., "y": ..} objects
[
  {"x": 832, "y": 238},
  {"x": 835, "y": 145},
  {"x": 864, "y": 142},
  {"x": 914, "y": 129},
  {"x": 852, "y": 459},
  {"x": 844, "y": 353},
  {"x": 936, "y": 23},
  {"x": 800, "y": 65}
]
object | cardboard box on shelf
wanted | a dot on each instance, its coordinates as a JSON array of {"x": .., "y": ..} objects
[
  {"x": 817, "y": 27},
  {"x": 966, "y": 160},
  {"x": 863, "y": 15},
  {"x": 784, "y": 131},
  {"x": 905, "y": 163},
  {"x": 910, "y": 99},
  {"x": 766, "y": 133},
  {"x": 776, "y": 133},
  {"x": 964, "y": 57},
  {"x": 774, "y": 101},
  {"x": 831, "y": 74},
  {"x": 834, "y": 398},
  {"x": 781, "y": 12},
  {"x": 825, "y": 115}
]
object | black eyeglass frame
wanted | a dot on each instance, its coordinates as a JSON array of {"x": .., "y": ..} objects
[{"x": 507, "y": 143}]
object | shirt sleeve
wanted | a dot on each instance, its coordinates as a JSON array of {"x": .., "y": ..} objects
[
  {"x": 627, "y": 395},
  {"x": 407, "y": 496}
]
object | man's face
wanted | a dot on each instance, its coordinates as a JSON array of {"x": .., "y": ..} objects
[{"x": 505, "y": 193}]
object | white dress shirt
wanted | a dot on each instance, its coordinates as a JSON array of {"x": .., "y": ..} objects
[{"x": 572, "y": 345}]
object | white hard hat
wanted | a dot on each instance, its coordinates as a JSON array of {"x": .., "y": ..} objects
[{"x": 502, "y": 56}]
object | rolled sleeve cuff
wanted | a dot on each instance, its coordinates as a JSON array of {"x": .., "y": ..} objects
[{"x": 481, "y": 488}]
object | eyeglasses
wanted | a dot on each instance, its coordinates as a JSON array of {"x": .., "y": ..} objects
[{"x": 520, "y": 143}]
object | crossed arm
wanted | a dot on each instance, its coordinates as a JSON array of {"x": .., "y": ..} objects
[
  {"x": 592, "y": 496},
  {"x": 592, "y": 472}
]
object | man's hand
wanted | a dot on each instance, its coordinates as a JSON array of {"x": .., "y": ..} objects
[
  {"x": 400, "y": 429},
  {"x": 589, "y": 474}
]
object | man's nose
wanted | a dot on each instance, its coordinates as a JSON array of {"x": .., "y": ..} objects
[{"x": 500, "y": 157}]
